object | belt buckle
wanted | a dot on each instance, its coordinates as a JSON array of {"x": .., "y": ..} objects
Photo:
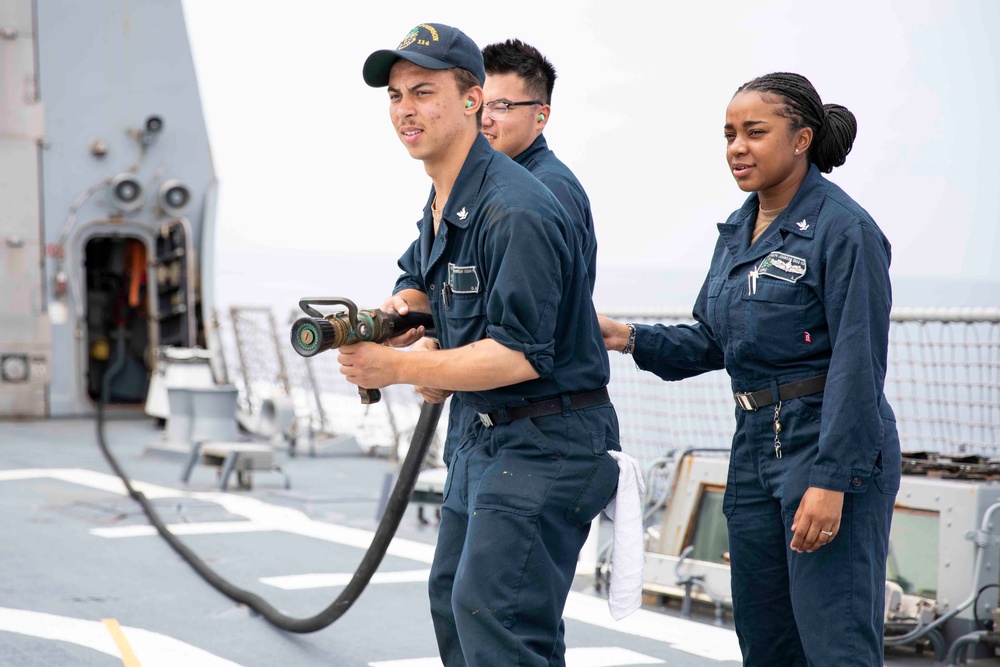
[
  {"x": 485, "y": 419},
  {"x": 744, "y": 399}
]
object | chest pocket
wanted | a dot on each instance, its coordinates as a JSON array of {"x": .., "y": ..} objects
[{"x": 775, "y": 319}]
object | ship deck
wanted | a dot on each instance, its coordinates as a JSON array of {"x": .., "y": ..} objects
[{"x": 87, "y": 581}]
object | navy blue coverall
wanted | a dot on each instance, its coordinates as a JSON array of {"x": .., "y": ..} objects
[
  {"x": 562, "y": 182},
  {"x": 557, "y": 177},
  {"x": 819, "y": 305},
  {"x": 519, "y": 497}
]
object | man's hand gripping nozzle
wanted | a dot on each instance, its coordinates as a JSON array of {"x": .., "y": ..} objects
[{"x": 316, "y": 333}]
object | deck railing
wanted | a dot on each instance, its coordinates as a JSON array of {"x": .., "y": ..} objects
[{"x": 943, "y": 381}]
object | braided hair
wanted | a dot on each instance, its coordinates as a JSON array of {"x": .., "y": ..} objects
[
  {"x": 834, "y": 126},
  {"x": 527, "y": 62}
]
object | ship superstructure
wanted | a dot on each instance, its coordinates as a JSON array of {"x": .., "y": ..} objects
[{"x": 108, "y": 188}]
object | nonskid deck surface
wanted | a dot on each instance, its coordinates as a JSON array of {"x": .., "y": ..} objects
[{"x": 87, "y": 581}]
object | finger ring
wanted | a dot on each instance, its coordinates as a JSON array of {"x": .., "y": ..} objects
[{"x": 827, "y": 532}]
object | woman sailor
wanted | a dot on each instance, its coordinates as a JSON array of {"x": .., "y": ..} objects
[{"x": 796, "y": 308}]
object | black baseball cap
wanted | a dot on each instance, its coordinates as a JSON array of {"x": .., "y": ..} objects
[{"x": 429, "y": 45}]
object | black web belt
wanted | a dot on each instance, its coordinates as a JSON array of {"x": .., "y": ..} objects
[
  {"x": 754, "y": 400},
  {"x": 549, "y": 406}
]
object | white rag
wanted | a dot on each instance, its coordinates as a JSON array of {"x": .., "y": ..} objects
[{"x": 625, "y": 510}]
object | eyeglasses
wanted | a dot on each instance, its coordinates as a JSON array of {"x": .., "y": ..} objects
[{"x": 497, "y": 109}]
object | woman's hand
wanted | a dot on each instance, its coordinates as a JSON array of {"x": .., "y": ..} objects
[{"x": 817, "y": 520}]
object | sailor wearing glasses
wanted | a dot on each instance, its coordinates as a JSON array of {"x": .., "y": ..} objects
[{"x": 518, "y": 94}]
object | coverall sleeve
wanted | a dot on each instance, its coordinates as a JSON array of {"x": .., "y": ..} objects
[
  {"x": 857, "y": 299},
  {"x": 525, "y": 255},
  {"x": 573, "y": 199},
  {"x": 679, "y": 351},
  {"x": 570, "y": 198},
  {"x": 409, "y": 264}
]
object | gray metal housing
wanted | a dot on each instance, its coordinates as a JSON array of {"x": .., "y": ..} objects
[{"x": 80, "y": 82}]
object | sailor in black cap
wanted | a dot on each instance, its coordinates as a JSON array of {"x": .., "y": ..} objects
[{"x": 499, "y": 265}]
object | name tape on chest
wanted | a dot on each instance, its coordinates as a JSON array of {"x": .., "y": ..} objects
[
  {"x": 783, "y": 267},
  {"x": 463, "y": 279}
]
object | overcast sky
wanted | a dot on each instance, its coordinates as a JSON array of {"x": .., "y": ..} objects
[{"x": 307, "y": 158}]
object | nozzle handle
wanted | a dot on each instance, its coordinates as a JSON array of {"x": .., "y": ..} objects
[
  {"x": 352, "y": 309},
  {"x": 411, "y": 320}
]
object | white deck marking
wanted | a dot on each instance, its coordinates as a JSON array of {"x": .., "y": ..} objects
[
  {"x": 599, "y": 656},
  {"x": 93, "y": 479},
  {"x": 151, "y": 648},
  {"x": 261, "y": 516},
  {"x": 691, "y": 637},
  {"x": 297, "y": 582},
  {"x": 200, "y": 528}
]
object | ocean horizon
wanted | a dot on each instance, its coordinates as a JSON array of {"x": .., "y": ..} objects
[{"x": 279, "y": 278}]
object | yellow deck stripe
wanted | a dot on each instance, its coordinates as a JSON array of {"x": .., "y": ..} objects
[{"x": 128, "y": 657}]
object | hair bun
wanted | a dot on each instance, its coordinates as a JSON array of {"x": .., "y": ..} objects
[
  {"x": 836, "y": 139},
  {"x": 842, "y": 118}
]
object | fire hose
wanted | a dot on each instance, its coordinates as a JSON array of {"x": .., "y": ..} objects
[{"x": 313, "y": 336}]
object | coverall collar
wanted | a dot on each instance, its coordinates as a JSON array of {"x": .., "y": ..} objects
[
  {"x": 539, "y": 145},
  {"x": 465, "y": 192},
  {"x": 460, "y": 210},
  {"x": 800, "y": 217}
]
